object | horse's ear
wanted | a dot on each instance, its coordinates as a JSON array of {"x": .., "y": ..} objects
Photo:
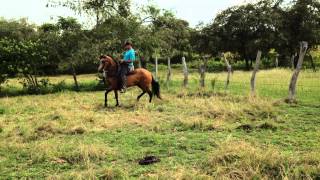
[{"x": 102, "y": 57}]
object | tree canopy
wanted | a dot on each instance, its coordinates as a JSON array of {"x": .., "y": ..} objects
[{"x": 67, "y": 47}]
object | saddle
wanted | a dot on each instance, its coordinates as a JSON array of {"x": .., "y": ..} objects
[{"x": 124, "y": 65}]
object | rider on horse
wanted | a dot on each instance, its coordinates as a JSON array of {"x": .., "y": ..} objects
[{"x": 127, "y": 64}]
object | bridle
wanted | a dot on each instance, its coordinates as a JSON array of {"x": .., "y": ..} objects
[{"x": 106, "y": 72}]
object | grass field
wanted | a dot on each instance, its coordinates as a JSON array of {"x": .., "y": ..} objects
[{"x": 197, "y": 133}]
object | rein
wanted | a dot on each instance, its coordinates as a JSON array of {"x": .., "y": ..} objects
[{"x": 116, "y": 74}]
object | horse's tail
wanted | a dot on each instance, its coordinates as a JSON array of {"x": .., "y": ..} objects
[{"x": 156, "y": 88}]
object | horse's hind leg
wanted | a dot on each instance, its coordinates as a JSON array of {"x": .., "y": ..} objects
[
  {"x": 150, "y": 95},
  {"x": 117, "y": 97},
  {"x": 143, "y": 93}
]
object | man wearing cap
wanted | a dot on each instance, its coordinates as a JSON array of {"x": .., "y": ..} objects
[{"x": 127, "y": 66}]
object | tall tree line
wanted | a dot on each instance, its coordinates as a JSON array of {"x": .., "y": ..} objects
[{"x": 67, "y": 47}]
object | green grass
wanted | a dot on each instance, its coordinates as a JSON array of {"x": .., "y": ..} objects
[{"x": 197, "y": 133}]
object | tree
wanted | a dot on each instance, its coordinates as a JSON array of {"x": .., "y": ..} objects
[
  {"x": 21, "y": 52},
  {"x": 301, "y": 23},
  {"x": 23, "y": 57},
  {"x": 244, "y": 29},
  {"x": 167, "y": 34},
  {"x": 49, "y": 36},
  {"x": 16, "y": 29},
  {"x": 100, "y": 9},
  {"x": 70, "y": 38}
]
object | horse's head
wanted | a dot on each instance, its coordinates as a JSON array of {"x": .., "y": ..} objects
[{"x": 105, "y": 62}]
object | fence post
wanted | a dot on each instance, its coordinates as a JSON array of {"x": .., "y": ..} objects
[
  {"x": 229, "y": 68},
  {"x": 156, "y": 66},
  {"x": 185, "y": 72},
  {"x": 255, "y": 70},
  {"x": 277, "y": 60},
  {"x": 140, "y": 64},
  {"x": 293, "y": 82},
  {"x": 169, "y": 70},
  {"x": 203, "y": 68}
]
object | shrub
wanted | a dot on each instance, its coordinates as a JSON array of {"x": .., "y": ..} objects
[
  {"x": 60, "y": 86},
  {"x": 34, "y": 86}
]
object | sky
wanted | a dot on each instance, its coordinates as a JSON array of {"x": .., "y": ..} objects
[{"x": 194, "y": 11}]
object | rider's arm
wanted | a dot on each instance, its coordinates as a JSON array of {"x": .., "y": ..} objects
[{"x": 130, "y": 57}]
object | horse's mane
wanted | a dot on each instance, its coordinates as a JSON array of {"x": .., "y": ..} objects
[{"x": 108, "y": 56}]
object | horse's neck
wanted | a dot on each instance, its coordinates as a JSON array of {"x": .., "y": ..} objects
[{"x": 113, "y": 69}]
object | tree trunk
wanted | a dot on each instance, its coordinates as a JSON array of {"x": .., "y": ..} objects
[
  {"x": 229, "y": 68},
  {"x": 293, "y": 83},
  {"x": 185, "y": 72},
  {"x": 255, "y": 70},
  {"x": 294, "y": 61},
  {"x": 169, "y": 70},
  {"x": 75, "y": 77}
]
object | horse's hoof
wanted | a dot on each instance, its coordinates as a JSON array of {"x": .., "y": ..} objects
[{"x": 117, "y": 105}]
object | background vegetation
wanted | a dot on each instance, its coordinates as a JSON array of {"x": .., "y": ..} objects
[
  {"x": 273, "y": 26},
  {"x": 49, "y": 131}
]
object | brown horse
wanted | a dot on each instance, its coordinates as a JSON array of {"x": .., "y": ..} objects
[{"x": 139, "y": 77}]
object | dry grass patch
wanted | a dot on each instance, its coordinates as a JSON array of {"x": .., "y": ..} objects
[
  {"x": 178, "y": 173},
  {"x": 242, "y": 160},
  {"x": 222, "y": 113},
  {"x": 71, "y": 152},
  {"x": 92, "y": 173}
]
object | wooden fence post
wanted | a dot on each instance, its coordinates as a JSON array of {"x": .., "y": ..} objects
[
  {"x": 169, "y": 70},
  {"x": 277, "y": 60},
  {"x": 293, "y": 83},
  {"x": 255, "y": 70},
  {"x": 140, "y": 64},
  {"x": 185, "y": 72},
  {"x": 203, "y": 68},
  {"x": 229, "y": 68},
  {"x": 156, "y": 66}
]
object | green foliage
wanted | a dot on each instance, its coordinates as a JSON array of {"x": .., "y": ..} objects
[
  {"x": 30, "y": 88},
  {"x": 67, "y": 47},
  {"x": 16, "y": 29},
  {"x": 22, "y": 57},
  {"x": 262, "y": 25}
]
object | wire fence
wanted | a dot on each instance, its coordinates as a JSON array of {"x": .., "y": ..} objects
[{"x": 272, "y": 83}]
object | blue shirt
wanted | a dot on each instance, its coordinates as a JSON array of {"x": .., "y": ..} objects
[{"x": 129, "y": 56}]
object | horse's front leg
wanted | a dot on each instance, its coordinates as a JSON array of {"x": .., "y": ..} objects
[
  {"x": 116, "y": 96},
  {"x": 106, "y": 97}
]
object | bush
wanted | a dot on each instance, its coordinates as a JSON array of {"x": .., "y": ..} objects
[
  {"x": 60, "y": 86},
  {"x": 3, "y": 79},
  {"x": 35, "y": 87}
]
